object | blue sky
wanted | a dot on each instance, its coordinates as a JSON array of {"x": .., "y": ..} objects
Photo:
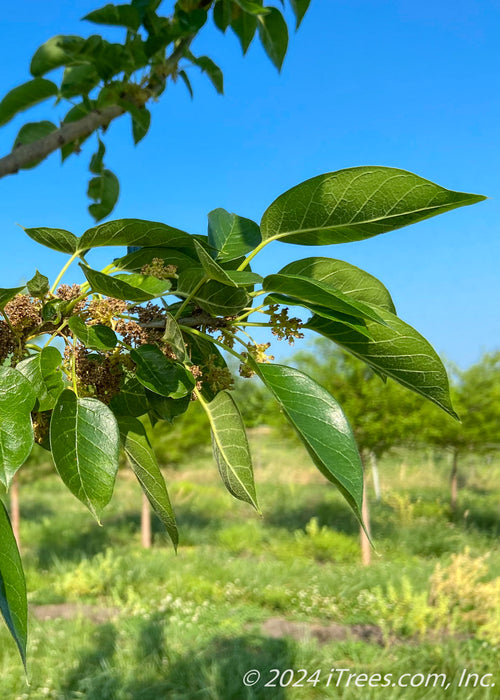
[{"x": 396, "y": 83}]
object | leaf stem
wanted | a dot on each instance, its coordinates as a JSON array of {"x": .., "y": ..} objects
[
  {"x": 190, "y": 296},
  {"x": 254, "y": 252},
  {"x": 248, "y": 313},
  {"x": 193, "y": 331},
  {"x": 64, "y": 269},
  {"x": 32, "y": 346}
]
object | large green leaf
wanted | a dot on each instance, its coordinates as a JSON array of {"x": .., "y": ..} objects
[
  {"x": 321, "y": 425},
  {"x": 96, "y": 337},
  {"x": 116, "y": 15},
  {"x": 135, "y": 232},
  {"x": 17, "y": 398},
  {"x": 131, "y": 399},
  {"x": 13, "y": 601},
  {"x": 143, "y": 461},
  {"x": 165, "y": 408},
  {"x": 85, "y": 445},
  {"x": 38, "y": 286},
  {"x": 133, "y": 287},
  {"x": 55, "y": 238},
  {"x": 135, "y": 261},
  {"x": 58, "y": 51},
  {"x": 232, "y": 236},
  {"x": 7, "y": 294},
  {"x": 43, "y": 370},
  {"x": 314, "y": 292},
  {"x": 25, "y": 96},
  {"x": 396, "y": 350},
  {"x": 347, "y": 278},
  {"x": 230, "y": 445},
  {"x": 254, "y": 8},
  {"x": 160, "y": 374},
  {"x": 354, "y": 204},
  {"x": 79, "y": 80},
  {"x": 213, "y": 297},
  {"x": 273, "y": 34}
]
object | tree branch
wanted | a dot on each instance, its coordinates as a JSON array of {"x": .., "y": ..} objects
[{"x": 74, "y": 131}]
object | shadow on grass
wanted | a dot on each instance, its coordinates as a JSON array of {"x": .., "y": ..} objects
[{"x": 213, "y": 672}]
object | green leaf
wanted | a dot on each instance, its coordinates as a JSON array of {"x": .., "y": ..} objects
[
  {"x": 354, "y": 204},
  {"x": 116, "y": 15},
  {"x": 85, "y": 445},
  {"x": 43, "y": 370},
  {"x": 321, "y": 425},
  {"x": 55, "y": 238},
  {"x": 160, "y": 374},
  {"x": 25, "y": 96},
  {"x": 17, "y": 398},
  {"x": 349, "y": 279},
  {"x": 207, "y": 66},
  {"x": 143, "y": 461},
  {"x": 131, "y": 400},
  {"x": 141, "y": 119},
  {"x": 244, "y": 25},
  {"x": 300, "y": 8},
  {"x": 133, "y": 287},
  {"x": 273, "y": 34},
  {"x": 79, "y": 80},
  {"x": 38, "y": 286},
  {"x": 75, "y": 113},
  {"x": 58, "y": 51},
  {"x": 173, "y": 336},
  {"x": 184, "y": 77},
  {"x": 29, "y": 133},
  {"x": 13, "y": 600},
  {"x": 313, "y": 292},
  {"x": 135, "y": 232},
  {"x": 396, "y": 350},
  {"x": 52, "y": 310},
  {"x": 232, "y": 236},
  {"x": 96, "y": 337},
  {"x": 7, "y": 294},
  {"x": 104, "y": 190},
  {"x": 134, "y": 262},
  {"x": 96, "y": 162},
  {"x": 165, "y": 408},
  {"x": 213, "y": 270},
  {"x": 231, "y": 450},
  {"x": 222, "y": 14},
  {"x": 213, "y": 297}
]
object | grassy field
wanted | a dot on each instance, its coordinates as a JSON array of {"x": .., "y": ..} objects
[{"x": 111, "y": 621}]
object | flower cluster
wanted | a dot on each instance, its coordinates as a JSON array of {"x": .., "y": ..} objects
[
  {"x": 216, "y": 377},
  {"x": 157, "y": 268},
  {"x": 258, "y": 352},
  {"x": 7, "y": 341},
  {"x": 284, "y": 327},
  {"x": 98, "y": 376},
  {"x": 69, "y": 293},
  {"x": 104, "y": 310},
  {"x": 23, "y": 312}
]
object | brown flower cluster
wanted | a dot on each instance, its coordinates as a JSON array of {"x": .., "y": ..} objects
[
  {"x": 258, "y": 352},
  {"x": 68, "y": 293},
  {"x": 132, "y": 333},
  {"x": 104, "y": 310},
  {"x": 23, "y": 312},
  {"x": 41, "y": 425},
  {"x": 283, "y": 326},
  {"x": 98, "y": 376}
]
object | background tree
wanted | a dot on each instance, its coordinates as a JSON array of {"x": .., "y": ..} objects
[{"x": 476, "y": 396}]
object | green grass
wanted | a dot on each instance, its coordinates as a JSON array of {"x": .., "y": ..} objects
[{"x": 188, "y": 626}]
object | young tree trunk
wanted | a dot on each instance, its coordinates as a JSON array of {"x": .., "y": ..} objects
[
  {"x": 15, "y": 513},
  {"x": 454, "y": 482},
  {"x": 375, "y": 475},
  {"x": 145, "y": 523},
  {"x": 366, "y": 550}
]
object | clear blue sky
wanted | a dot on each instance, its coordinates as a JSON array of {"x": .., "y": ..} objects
[{"x": 401, "y": 83}]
